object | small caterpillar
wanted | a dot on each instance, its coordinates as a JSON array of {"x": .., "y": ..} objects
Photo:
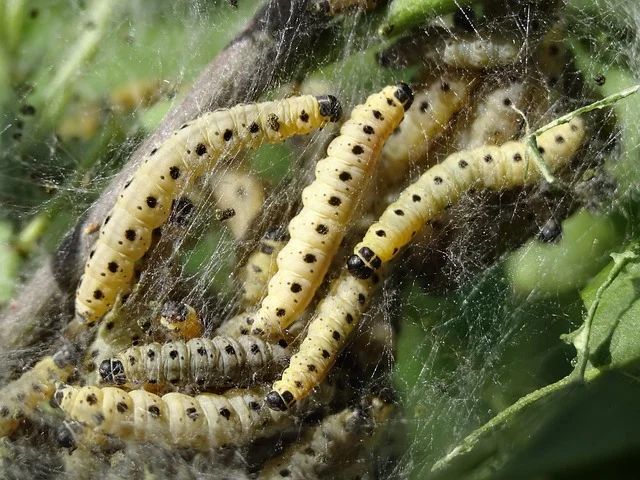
[
  {"x": 337, "y": 315},
  {"x": 201, "y": 422},
  {"x": 328, "y": 204},
  {"x": 260, "y": 267},
  {"x": 337, "y": 7},
  {"x": 496, "y": 121},
  {"x": 205, "y": 363},
  {"x": 181, "y": 320},
  {"x": 145, "y": 201},
  {"x": 492, "y": 168},
  {"x": 433, "y": 111},
  {"x": 335, "y": 445},
  {"x": 20, "y": 398},
  {"x": 243, "y": 193}
]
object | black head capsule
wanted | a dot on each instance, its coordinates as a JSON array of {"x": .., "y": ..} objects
[
  {"x": 275, "y": 402},
  {"x": 404, "y": 94},
  {"x": 65, "y": 437},
  {"x": 112, "y": 371},
  {"x": 358, "y": 268},
  {"x": 320, "y": 6},
  {"x": 330, "y": 107}
]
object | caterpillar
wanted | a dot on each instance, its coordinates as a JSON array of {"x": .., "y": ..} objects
[
  {"x": 337, "y": 315},
  {"x": 181, "y": 320},
  {"x": 20, "y": 398},
  {"x": 335, "y": 445},
  {"x": 469, "y": 50},
  {"x": 145, "y": 201},
  {"x": 487, "y": 167},
  {"x": 205, "y": 363},
  {"x": 328, "y": 204},
  {"x": 202, "y": 422},
  {"x": 260, "y": 267},
  {"x": 243, "y": 193},
  {"x": 496, "y": 121},
  {"x": 337, "y": 7},
  {"x": 434, "y": 108}
]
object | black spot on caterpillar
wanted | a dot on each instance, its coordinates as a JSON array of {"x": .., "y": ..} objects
[
  {"x": 336, "y": 444},
  {"x": 551, "y": 231},
  {"x": 201, "y": 362},
  {"x": 260, "y": 267},
  {"x": 328, "y": 205},
  {"x": 201, "y": 422},
  {"x": 21, "y": 397},
  {"x": 492, "y": 168},
  {"x": 145, "y": 201},
  {"x": 181, "y": 320},
  {"x": 336, "y": 317}
]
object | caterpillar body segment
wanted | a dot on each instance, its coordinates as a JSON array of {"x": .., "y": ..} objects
[
  {"x": 201, "y": 362},
  {"x": 260, "y": 268},
  {"x": 472, "y": 51},
  {"x": 144, "y": 203},
  {"x": 181, "y": 320},
  {"x": 328, "y": 205},
  {"x": 337, "y": 7},
  {"x": 336, "y": 317},
  {"x": 243, "y": 193},
  {"x": 432, "y": 112},
  {"x": 202, "y": 422},
  {"x": 20, "y": 398},
  {"x": 335, "y": 445},
  {"x": 489, "y": 167}
]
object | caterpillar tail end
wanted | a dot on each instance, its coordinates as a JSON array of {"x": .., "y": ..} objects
[
  {"x": 330, "y": 107},
  {"x": 280, "y": 403}
]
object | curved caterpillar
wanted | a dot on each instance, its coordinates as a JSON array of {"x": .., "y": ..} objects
[
  {"x": 145, "y": 201},
  {"x": 181, "y": 320},
  {"x": 434, "y": 109},
  {"x": 337, "y": 7},
  {"x": 260, "y": 268},
  {"x": 201, "y": 422},
  {"x": 492, "y": 168},
  {"x": 328, "y": 204},
  {"x": 335, "y": 445},
  {"x": 206, "y": 363},
  {"x": 20, "y": 398},
  {"x": 243, "y": 193},
  {"x": 337, "y": 315}
]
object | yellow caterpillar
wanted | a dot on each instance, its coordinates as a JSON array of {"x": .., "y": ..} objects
[
  {"x": 20, "y": 398},
  {"x": 335, "y": 445},
  {"x": 260, "y": 267},
  {"x": 328, "y": 204},
  {"x": 201, "y": 422},
  {"x": 492, "y": 168},
  {"x": 145, "y": 201},
  {"x": 201, "y": 362},
  {"x": 181, "y": 320},
  {"x": 336, "y": 317}
]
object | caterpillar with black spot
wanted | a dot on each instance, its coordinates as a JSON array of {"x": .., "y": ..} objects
[
  {"x": 181, "y": 320},
  {"x": 202, "y": 363},
  {"x": 144, "y": 203},
  {"x": 337, "y": 444},
  {"x": 492, "y": 168},
  {"x": 328, "y": 205},
  {"x": 241, "y": 192},
  {"x": 435, "y": 106},
  {"x": 20, "y": 398},
  {"x": 336, "y": 317},
  {"x": 260, "y": 268},
  {"x": 202, "y": 422},
  {"x": 337, "y": 7}
]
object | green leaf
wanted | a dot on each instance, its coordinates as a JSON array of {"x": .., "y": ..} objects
[{"x": 404, "y": 14}]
